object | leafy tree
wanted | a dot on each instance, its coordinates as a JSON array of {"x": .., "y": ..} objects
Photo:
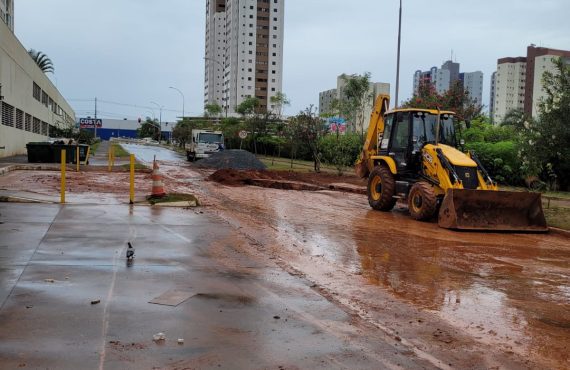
[
  {"x": 280, "y": 100},
  {"x": 340, "y": 150},
  {"x": 455, "y": 99},
  {"x": 42, "y": 60},
  {"x": 256, "y": 118},
  {"x": 308, "y": 128},
  {"x": 149, "y": 128},
  {"x": 355, "y": 98},
  {"x": 212, "y": 110},
  {"x": 544, "y": 147}
]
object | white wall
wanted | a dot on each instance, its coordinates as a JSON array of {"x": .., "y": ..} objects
[
  {"x": 509, "y": 89},
  {"x": 18, "y": 73}
]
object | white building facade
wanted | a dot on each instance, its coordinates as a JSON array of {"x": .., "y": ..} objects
[
  {"x": 326, "y": 98},
  {"x": 510, "y": 85},
  {"x": 7, "y": 13},
  {"x": 244, "y": 52},
  {"x": 31, "y": 105}
]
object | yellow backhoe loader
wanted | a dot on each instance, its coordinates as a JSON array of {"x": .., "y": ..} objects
[{"x": 412, "y": 154}]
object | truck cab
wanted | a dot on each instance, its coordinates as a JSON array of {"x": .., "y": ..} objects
[{"x": 204, "y": 143}]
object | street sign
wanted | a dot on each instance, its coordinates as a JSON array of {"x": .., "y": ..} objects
[
  {"x": 90, "y": 123},
  {"x": 242, "y": 134}
]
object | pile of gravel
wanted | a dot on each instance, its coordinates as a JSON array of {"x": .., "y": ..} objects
[{"x": 234, "y": 159}]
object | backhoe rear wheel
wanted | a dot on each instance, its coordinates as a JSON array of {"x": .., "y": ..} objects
[
  {"x": 381, "y": 189},
  {"x": 422, "y": 201}
]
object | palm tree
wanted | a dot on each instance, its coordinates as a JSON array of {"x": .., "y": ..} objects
[{"x": 42, "y": 60}]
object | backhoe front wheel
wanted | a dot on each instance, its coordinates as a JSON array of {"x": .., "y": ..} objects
[
  {"x": 422, "y": 201},
  {"x": 381, "y": 189}
]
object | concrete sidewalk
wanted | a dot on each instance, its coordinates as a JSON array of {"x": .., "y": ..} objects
[{"x": 241, "y": 311}]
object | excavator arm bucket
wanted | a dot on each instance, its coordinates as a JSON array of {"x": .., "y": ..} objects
[{"x": 488, "y": 210}]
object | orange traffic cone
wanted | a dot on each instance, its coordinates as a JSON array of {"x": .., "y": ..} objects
[{"x": 157, "y": 186}]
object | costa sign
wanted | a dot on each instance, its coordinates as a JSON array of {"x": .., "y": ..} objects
[{"x": 90, "y": 122}]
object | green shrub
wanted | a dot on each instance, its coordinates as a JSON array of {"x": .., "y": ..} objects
[{"x": 500, "y": 160}]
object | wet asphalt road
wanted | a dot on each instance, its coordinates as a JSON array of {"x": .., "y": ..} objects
[{"x": 244, "y": 313}]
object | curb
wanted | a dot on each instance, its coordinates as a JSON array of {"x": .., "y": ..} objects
[
  {"x": 11, "y": 199},
  {"x": 17, "y": 167},
  {"x": 558, "y": 231}
]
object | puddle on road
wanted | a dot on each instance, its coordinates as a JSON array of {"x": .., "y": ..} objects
[
  {"x": 507, "y": 286},
  {"x": 506, "y": 289}
]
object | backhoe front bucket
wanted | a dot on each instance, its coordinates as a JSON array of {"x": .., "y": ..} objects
[{"x": 492, "y": 210}]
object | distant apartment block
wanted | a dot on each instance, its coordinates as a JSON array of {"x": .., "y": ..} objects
[
  {"x": 326, "y": 98},
  {"x": 473, "y": 84},
  {"x": 440, "y": 78},
  {"x": 518, "y": 82},
  {"x": 244, "y": 52},
  {"x": 492, "y": 94},
  {"x": 444, "y": 77},
  {"x": 7, "y": 13}
]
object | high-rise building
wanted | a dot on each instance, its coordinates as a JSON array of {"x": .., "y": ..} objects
[
  {"x": 538, "y": 61},
  {"x": 473, "y": 84},
  {"x": 7, "y": 13},
  {"x": 509, "y": 86},
  {"x": 492, "y": 95},
  {"x": 326, "y": 98},
  {"x": 453, "y": 69},
  {"x": 244, "y": 52},
  {"x": 440, "y": 78},
  {"x": 518, "y": 82}
]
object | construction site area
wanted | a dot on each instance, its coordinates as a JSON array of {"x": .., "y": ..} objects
[{"x": 240, "y": 267}]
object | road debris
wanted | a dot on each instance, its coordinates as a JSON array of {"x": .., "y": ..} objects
[
  {"x": 49, "y": 280},
  {"x": 96, "y": 301},
  {"x": 159, "y": 337}
]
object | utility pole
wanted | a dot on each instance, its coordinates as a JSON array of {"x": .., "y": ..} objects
[
  {"x": 398, "y": 63},
  {"x": 95, "y": 118}
]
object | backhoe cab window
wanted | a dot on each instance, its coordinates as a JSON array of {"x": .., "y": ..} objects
[{"x": 424, "y": 129}]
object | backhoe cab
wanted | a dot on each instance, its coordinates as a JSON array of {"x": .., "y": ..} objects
[{"x": 413, "y": 155}]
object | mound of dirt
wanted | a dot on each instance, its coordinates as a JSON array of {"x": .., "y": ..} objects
[
  {"x": 234, "y": 177},
  {"x": 232, "y": 159}
]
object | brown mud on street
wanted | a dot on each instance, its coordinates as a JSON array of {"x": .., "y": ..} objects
[
  {"x": 454, "y": 299},
  {"x": 477, "y": 299}
]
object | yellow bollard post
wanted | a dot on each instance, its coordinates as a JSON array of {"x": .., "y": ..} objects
[
  {"x": 77, "y": 157},
  {"x": 109, "y": 159},
  {"x": 132, "y": 179},
  {"x": 62, "y": 190}
]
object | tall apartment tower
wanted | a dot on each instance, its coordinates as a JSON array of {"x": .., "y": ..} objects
[
  {"x": 510, "y": 83},
  {"x": 244, "y": 52},
  {"x": 473, "y": 84},
  {"x": 7, "y": 13},
  {"x": 518, "y": 82},
  {"x": 492, "y": 95}
]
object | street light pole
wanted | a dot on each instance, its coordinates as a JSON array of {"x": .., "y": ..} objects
[
  {"x": 224, "y": 99},
  {"x": 159, "y": 120},
  {"x": 174, "y": 88},
  {"x": 398, "y": 63}
]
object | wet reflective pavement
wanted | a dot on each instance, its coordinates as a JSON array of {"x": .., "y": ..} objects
[
  {"x": 146, "y": 153},
  {"x": 507, "y": 291},
  {"x": 244, "y": 312},
  {"x": 362, "y": 289}
]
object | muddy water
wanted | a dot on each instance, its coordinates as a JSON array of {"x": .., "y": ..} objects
[{"x": 511, "y": 290}]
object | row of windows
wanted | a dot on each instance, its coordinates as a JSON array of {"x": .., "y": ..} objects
[
  {"x": 17, "y": 118},
  {"x": 46, "y": 100}
]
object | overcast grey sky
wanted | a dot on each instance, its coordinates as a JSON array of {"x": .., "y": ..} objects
[{"x": 131, "y": 51}]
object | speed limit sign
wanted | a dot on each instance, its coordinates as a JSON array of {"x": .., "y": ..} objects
[{"x": 242, "y": 134}]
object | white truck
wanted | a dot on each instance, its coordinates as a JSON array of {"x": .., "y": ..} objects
[{"x": 204, "y": 143}]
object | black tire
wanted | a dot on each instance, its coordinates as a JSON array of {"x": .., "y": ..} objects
[
  {"x": 422, "y": 201},
  {"x": 381, "y": 189}
]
